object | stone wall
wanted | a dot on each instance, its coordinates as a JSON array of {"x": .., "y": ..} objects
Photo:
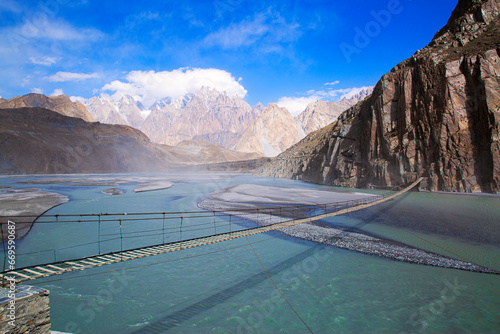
[{"x": 27, "y": 312}]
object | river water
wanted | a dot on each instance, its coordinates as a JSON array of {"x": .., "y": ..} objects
[{"x": 222, "y": 288}]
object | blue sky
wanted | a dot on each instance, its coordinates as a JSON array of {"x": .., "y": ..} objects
[{"x": 268, "y": 51}]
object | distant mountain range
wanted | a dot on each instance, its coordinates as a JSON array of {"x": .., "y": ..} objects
[
  {"x": 52, "y": 134},
  {"x": 214, "y": 117},
  {"x": 41, "y": 141}
]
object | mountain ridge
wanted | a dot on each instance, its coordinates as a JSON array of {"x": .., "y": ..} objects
[
  {"x": 320, "y": 113},
  {"x": 273, "y": 131},
  {"x": 35, "y": 140},
  {"x": 61, "y": 104},
  {"x": 209, "y": 116}
]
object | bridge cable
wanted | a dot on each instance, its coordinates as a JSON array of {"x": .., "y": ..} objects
[
  {"x": 148, "y": 264},
  {"x": 281, "y": 293}
]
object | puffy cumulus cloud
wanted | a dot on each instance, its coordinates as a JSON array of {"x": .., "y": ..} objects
[
  {"x": 150, "y": 86},
  {"x": 78, "y": 99},
  {"x": 296, "y": 105},
  {"x": 37, "y": 90},
  {"x": 70, "y": 76},
  {"x": 57, "y": 92}
]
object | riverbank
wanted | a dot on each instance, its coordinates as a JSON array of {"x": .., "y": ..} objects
[
  {"x": 29, "y": 203},
  {"x": 255, "y": 196}
]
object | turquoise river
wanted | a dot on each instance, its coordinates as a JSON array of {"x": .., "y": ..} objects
[{"x": 222, "y": 288}]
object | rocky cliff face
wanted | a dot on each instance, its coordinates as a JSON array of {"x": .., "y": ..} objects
[
  {"x": 36, "y": 140},
  {"x": 61, "y": 104},
  {"x": 208, "y": 115},
  {"x": 320, "y": 113},
  {"x": 273, "y": 131},
  {"x": 435, "y": 115}
]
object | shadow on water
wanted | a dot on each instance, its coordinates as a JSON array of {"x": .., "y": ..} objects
[
  {"x": 197, "y": 308},
  {"x": 365, "y": 220},
  {"x": 380, "y": 212}
]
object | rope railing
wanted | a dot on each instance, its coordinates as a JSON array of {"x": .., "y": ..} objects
[
  {"x": 121, "y": 243},
  {"x": 131, "y": 230},
  {"x": 113, "y": 234},
  {"x": 222, "y": 225},
  {"x": 171, "y": 215}
]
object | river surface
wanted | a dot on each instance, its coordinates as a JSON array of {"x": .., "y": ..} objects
[{"x": 222, "y": 288}]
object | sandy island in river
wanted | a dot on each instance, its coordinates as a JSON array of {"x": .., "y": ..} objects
[
  {"x": 26, "y": 202},
  {"x": 143, "y": 183},
  {"x": 150, "y": 186},
  {"x": 112, "y": 191},
  {"x": 248, "y": 196}
]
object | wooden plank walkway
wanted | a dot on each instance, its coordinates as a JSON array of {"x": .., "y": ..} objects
[{"x": 57, "y": 268}]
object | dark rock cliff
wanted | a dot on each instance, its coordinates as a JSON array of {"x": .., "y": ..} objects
[
  {"x": 41, "y": 141},
  {"x": 436, "y": 115}
]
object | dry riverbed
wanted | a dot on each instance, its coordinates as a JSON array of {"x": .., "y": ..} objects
[
  {"x": 30, "y": 202},
  {"x": 256, "y": 196}
]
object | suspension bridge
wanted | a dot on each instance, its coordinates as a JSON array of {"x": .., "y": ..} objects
[{"x": 113, "y": 233}]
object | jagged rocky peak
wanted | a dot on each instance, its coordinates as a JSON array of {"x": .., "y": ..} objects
[
  {"x": 207, "y": 115},
  {"x": 257, "y": 109},
  {"x": 472, "y": 20},
  {"x": 131, "y": 101},
  {"x": 272, "y": 132},
  {"x": 168, "y": 103},
  {"x": 469, "y": 19},
  {"x": 363, "y": 94},
  {"x": 132, "y": 111},
  {"x": 105, "y": 110},
  {"x": 320, "y": 113},
  {"x": 434, "y": 115},
  {"x": 60, "y": 104}
]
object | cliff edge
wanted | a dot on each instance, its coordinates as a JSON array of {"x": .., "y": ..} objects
[{"x": 436, "y": 114}]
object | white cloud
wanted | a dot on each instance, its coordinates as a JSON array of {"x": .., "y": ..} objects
[
  {"x": 78, "y": 99},
  {"x": 26, "y": 80},
  {"x": 37, "y": 90},
  {"x": 296, "y": 105},
  {"x": 44, "y": 28},
  {"x": 150, "y": 86},
  {"x": 45, "y": 61},
  {"x": 267, "y": 29},
  {"x": 57, "y": 92},
  {"x": 70, "y": 76},
  {"x": 333, "y": 83}
]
